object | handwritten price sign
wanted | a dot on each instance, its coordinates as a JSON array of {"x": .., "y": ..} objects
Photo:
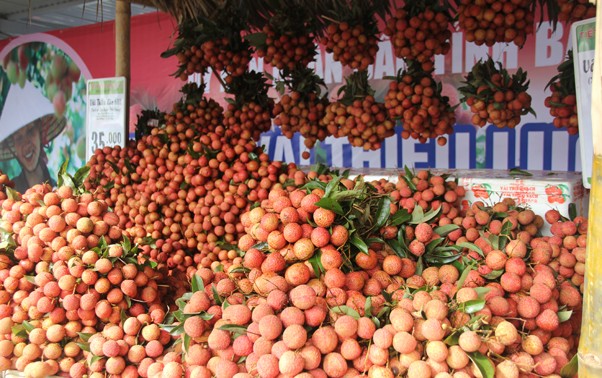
[{"x": 105, "y": 114}]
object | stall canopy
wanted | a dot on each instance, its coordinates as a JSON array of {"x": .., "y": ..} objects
[{"x": 18, "y": 17}]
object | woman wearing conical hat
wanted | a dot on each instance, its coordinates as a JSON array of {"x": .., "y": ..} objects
[{"x": 27, "y": 124}]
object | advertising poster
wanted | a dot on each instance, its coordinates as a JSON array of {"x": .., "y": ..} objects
[{"x": 43, "y": 113}]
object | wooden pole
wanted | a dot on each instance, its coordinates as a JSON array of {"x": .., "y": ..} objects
[{"x": 123, "y": 13}]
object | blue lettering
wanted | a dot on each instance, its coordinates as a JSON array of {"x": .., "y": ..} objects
[
  {"x": 429, "y": 148},
  {"x": 472, "y": 150},
  {"x": 548, "y": 131},
  {"x": 489, "y": 145}
]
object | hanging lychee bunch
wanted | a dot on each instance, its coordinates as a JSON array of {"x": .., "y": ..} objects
[
  {"x": 490, "y": 21},
  {"x": 495, "y": 96},
  {"x": 351, "y": 32},
  {"x": 575, "y": 10},
  {"x": 186, "y": 49},
  {"x": 211, "y": 42},
  {"x": 194, "y": 111},
  {"x": 302, "y": 107},
  {"x": 249, "y": 113},
  {"x": 286, "y": 39},
  {"x": 563, "y": 101},
  {"x": 420, "y": 30},
  {"x": 366, "y": 124},
  {"x": 415, "y": 98}
]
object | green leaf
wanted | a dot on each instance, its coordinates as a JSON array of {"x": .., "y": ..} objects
[
  {"x": 425, "y": 218},
  {"x": 234, "y": 328},
  {"x": 95, "y": 359},
  {"x": 453, "y": 339},
  {"x": 84, "y": 346},
  {"x": 81, "y": 175},
  {"x": 519, "y": 172},
  {"x": 216, "y": 296},
  {"x": 571, "y": 369},
  {"x": 483, "y": 363},
  {"x": 85, "y": 336},
  {"x": 186, "y": 342},
  {"x": 314, "y": 184},
  {"x": 563, "y": 316},
  {"x": 368, "y": 306},
  {"x": 572, "y": 211},
  {"x": 374, "y": 240},
  {"x": 383, "y": 212},
  {"x": 388, "y": 297},
  {"x": 494, "y": 240},
  {"x": 346, "y": 310},
  {"x": 495, "y": 274},
  {"x": 472, "y": 247},
  {"x": 62, "y": 173},
  {"x": 443, "y": 231},
  {"x": 263, "y": 246},
  {"x": 197, "y": 283},
  {"x": 173, "y": 329},
  {"x": 330, "y": 204},
  {"x": 206, "y": 316},
  {"x": 400, "y": 217},
  {"x": 482, "y": 291},
  {"x": 396, "y": 247},
  {"x": 129, "y": 166},
  {"x": 463, "y": 277},
  {"x": 240, "y": 269},
  {"x": 419, "y": 266},
  {"x": 256, "y": 39},
  {"x": 332, "y": 185},
  {"x": 28, "y": 326},
  {"x": 417, "y": 215},
  {"x": 127, "y": 244},
  {"x": 433, "y": 244},
  {"x": 472, "y": 306},
  {"x": 358, "y": 243},
  {"x": 442, "y": 256},
  {"x": 316, "y": 263},
  {"x": 12, "y": 194},
  {"x": 19, "y": 331},
  {"x": 506, "y": 231},
  {"x": 408, "y": 172}
]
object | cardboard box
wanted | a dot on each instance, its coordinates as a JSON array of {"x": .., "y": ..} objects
[
  {"x": 541, "y": 191},
  {"x": 538, "y": 190}
]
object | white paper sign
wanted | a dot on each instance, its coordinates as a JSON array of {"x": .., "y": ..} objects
[
  {"x": 105, "y": 114},
  {"x": 583, "y": 37}
]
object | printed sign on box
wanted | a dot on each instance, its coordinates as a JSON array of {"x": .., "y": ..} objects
[{"x": 540, "y": 192}]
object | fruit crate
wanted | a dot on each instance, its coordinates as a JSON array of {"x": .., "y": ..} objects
[{"x": 539, "y": 190}]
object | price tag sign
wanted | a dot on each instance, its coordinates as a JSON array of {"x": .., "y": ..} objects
[
  {"x": 583, "y": 35},
  {"x": 105, "y": 114}
]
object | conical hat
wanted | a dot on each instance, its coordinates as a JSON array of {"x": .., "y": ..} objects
[{"x": 23, "y": 106}]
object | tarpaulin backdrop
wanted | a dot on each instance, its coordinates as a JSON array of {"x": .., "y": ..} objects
[{"x": 535, "y": 144}]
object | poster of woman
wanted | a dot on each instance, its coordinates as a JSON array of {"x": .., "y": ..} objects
[{"x": 42, "y": 114}]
